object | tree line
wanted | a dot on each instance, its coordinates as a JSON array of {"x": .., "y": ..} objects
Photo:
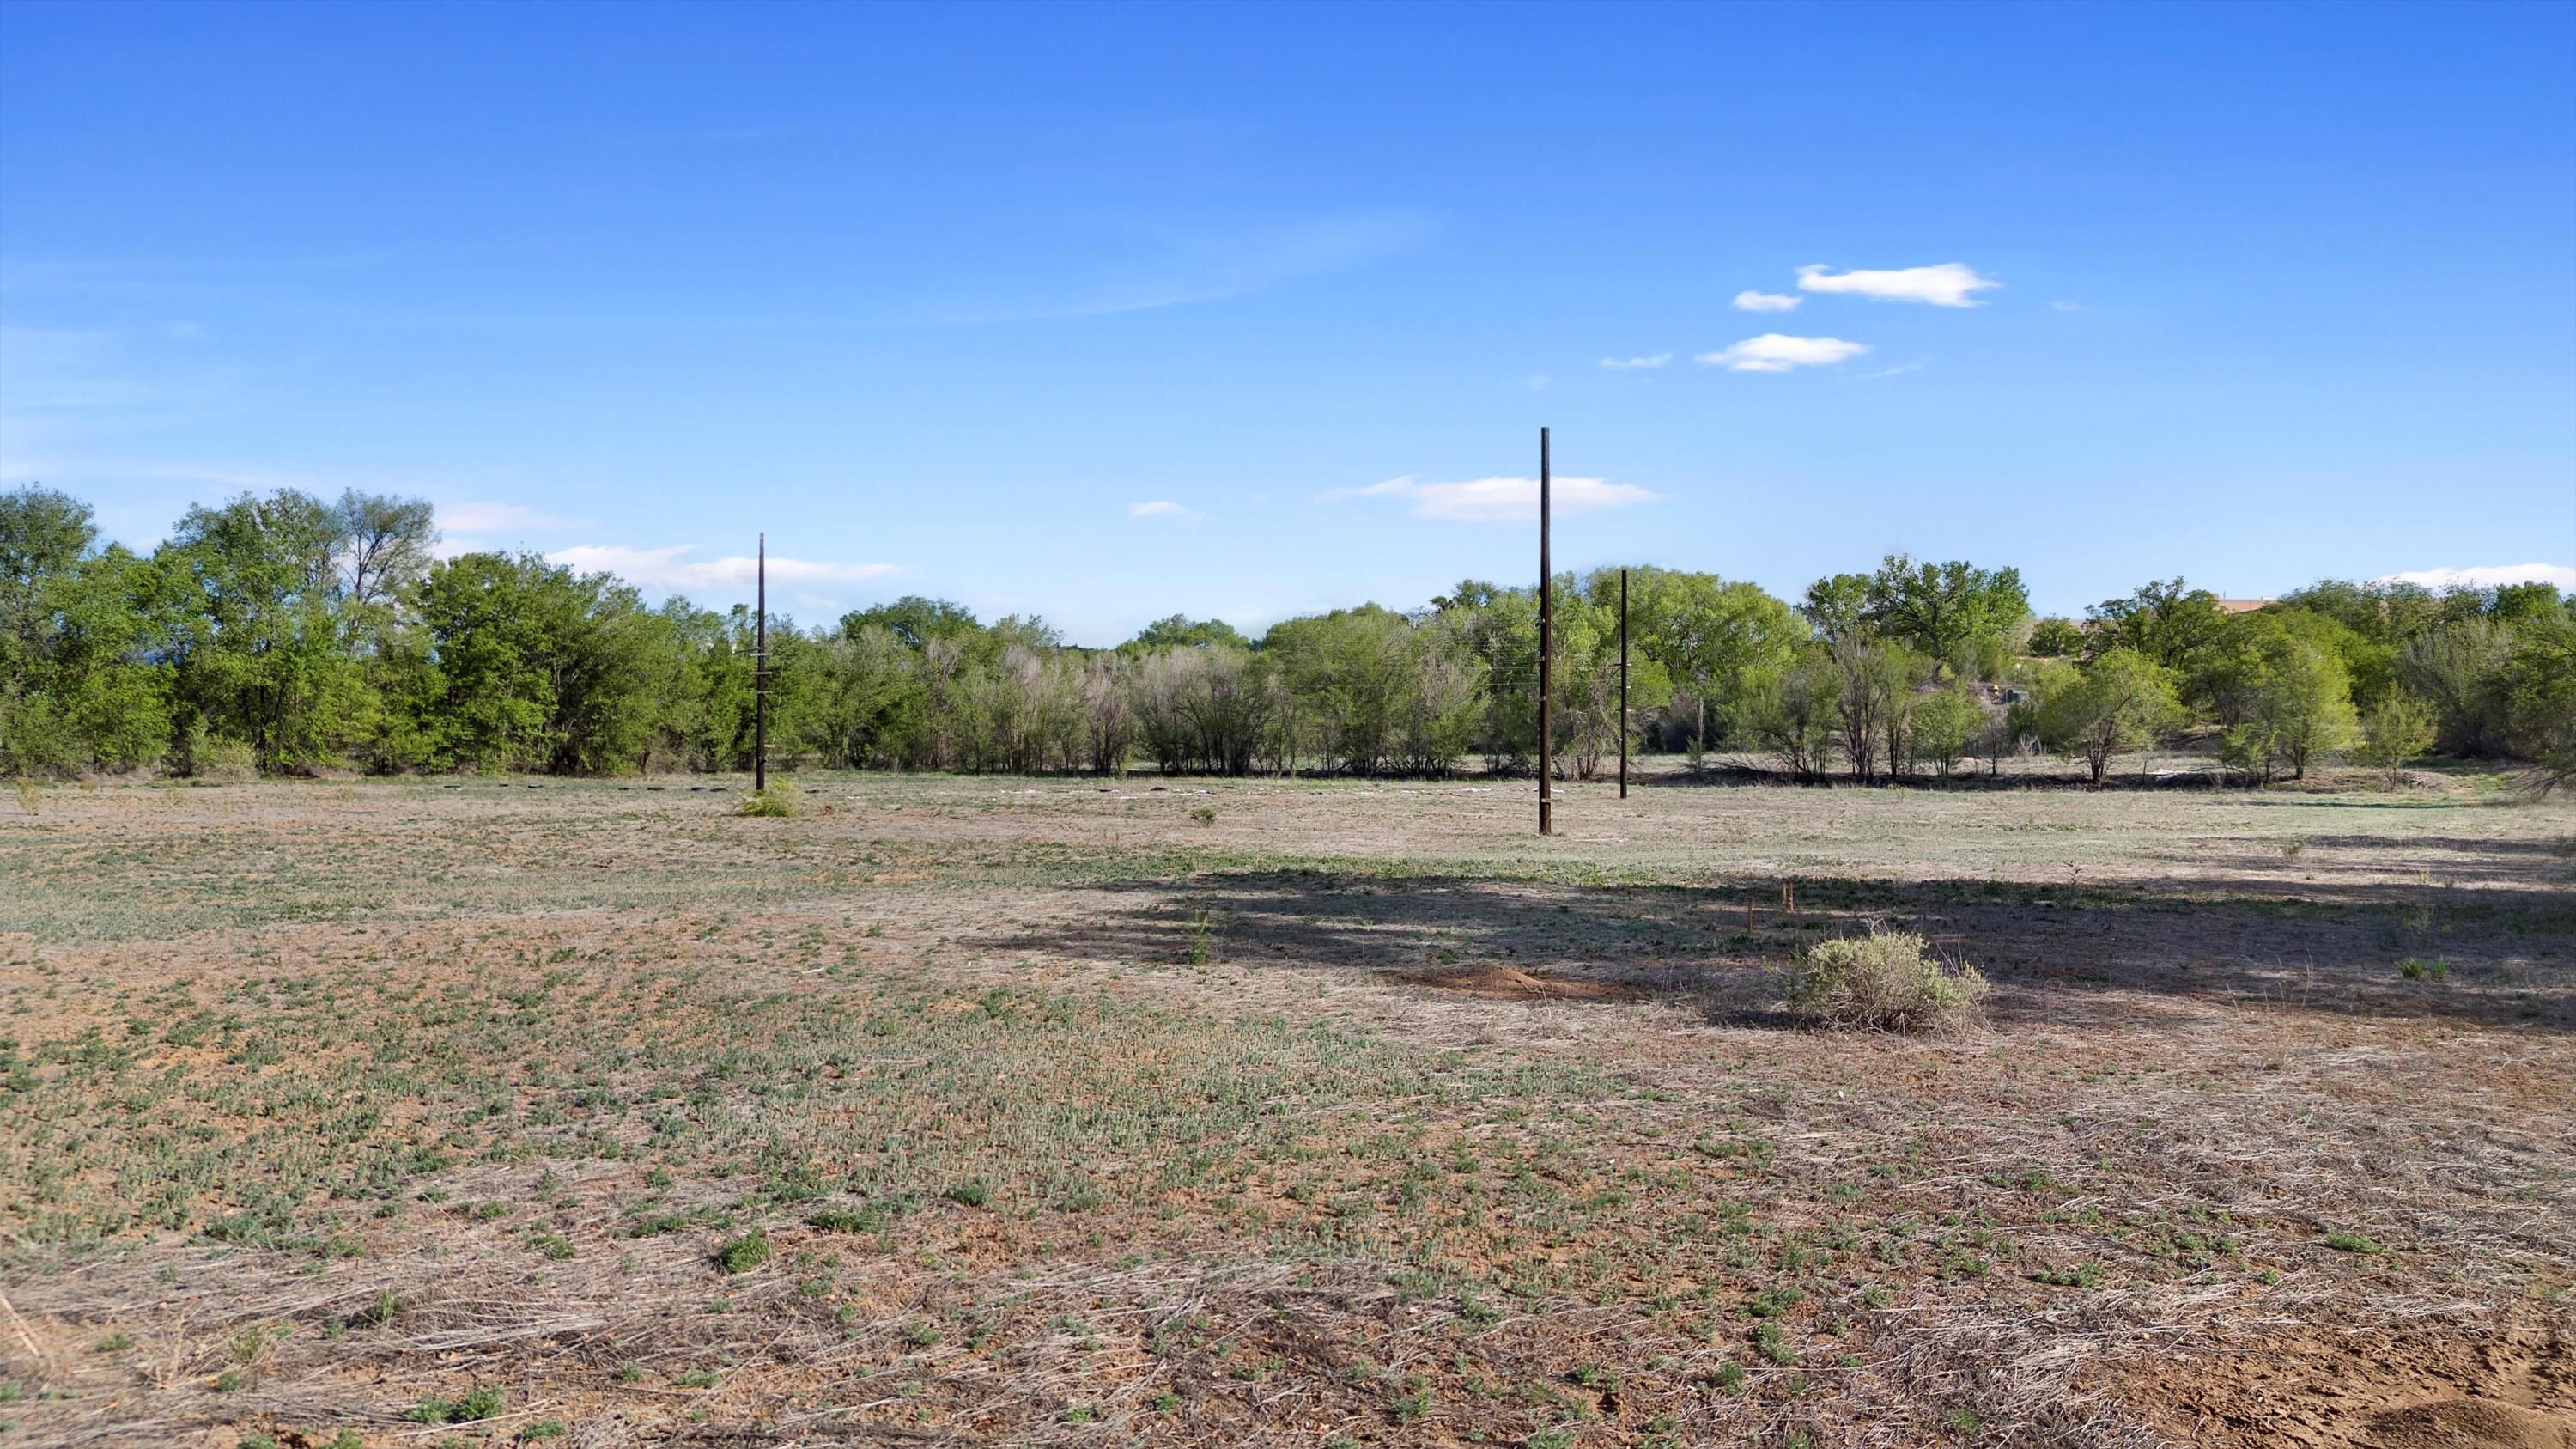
[{"x": 287, "y": 633}]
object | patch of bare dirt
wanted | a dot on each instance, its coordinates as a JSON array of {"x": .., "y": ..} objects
[
  {"x": 2469, "y": 1424},
  {"x": 2507, "y": 1384}
]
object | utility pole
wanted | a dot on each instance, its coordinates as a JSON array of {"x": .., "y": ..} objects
[
  {"x": 760, "y": 673},
  {"x": 1623, "y": 684},
  {"x": 1546, "y": 659}
]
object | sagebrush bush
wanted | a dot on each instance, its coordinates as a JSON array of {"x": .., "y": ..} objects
[
  {"x": 1886, "y": 981},
  {"x": 779, "y": 801}
]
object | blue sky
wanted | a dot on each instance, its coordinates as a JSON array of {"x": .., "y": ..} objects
[{"x": 946, "y": 298}]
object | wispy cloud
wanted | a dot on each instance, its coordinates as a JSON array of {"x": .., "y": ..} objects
[
  {"x": 1658, "y": 360},
  {"x": 1951, "y": 284},
  {"x": 1179, "y": 269},
  {"x": 482, "y": 526},
  {"x": 665, "y": 568},
  {"x": 2488, "y": 576},
  {"x": 1500, "y": 500},
  {"x": 485, "y": 517},
  {"x": 1774, "y": 352},
  {"x": 1162, "y": 508},
  {"x": 1899, "y": 370},
  {"x": 2068, "y": 307},
  {"x": 1766, "y": 302}
]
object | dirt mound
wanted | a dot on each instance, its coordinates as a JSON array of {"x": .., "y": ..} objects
[
  {"x": 1510, "y": 983},
  {"x": 2468, "y": 1424}
]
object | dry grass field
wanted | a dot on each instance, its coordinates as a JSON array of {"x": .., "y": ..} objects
[{"x": 1004, "y": 1111}]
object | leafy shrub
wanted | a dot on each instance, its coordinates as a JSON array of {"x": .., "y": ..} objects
[
  {"x": 744, "y": 1254},
  {"x": 223, "y": 762},
  {"x": 479, "y": 1404},
  {"x": 1883, "y": 982},
  {"x": 778, "y": 802}
]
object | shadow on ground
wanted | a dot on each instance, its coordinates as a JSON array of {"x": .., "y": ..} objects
[{"x": 2077, "y": 954}]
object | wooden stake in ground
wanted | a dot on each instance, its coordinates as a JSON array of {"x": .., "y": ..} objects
[
  {"x": 1546, "y": 652},
  {"x": 760, "y": 672},
  {"x": 1623, "y": 684}
]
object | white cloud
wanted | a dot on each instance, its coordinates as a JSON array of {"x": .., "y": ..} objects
[
  {"x": 1766, "y": 302},
  {"x": 1947, "y": 285},
  {"x": 1773, "y": 352},
  {"x": 1162, "y": 508},
  {"x": 486, "y": 517},
  {"x": 2488, "y": 576},
  {"x": 664, "y": 568},
  {"x": 2068, "y": 307},
  {"x": 1900, "y": 369},
  {"x": 1501, "y": 500},
  {"x": 1658, "y": 360}
]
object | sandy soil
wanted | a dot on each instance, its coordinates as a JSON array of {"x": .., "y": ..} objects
[{"x": 2266, "y": 1135}]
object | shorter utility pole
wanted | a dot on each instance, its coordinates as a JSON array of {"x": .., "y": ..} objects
[
  {"x": 1546, "y": 659},
  {"x": 760, "y": 672},
  {"x": 1623, "y": 684}
]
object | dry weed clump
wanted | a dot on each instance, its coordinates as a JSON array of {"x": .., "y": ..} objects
[{"x": 1884, "y": 981}]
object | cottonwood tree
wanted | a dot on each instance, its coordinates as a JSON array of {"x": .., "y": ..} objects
[
  {"x": 1707, "y": 634},
  {"x": 2167, "y": 622},
  {"x": 386, "y": 544},
  {"x": 1837, "y": 608},
  {"x": 1942, "y": 609},
  {"x": 77, "y": 686},
  {"x": 261, "y": 651}
]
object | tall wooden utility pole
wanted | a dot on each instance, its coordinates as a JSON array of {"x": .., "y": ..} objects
[
  {"x": 760, "y": 673},
  {"x": 1546, "y": 659},
  {"x": 1623, "y": 684}
]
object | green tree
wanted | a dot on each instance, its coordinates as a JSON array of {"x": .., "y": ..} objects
[
  {"x": 1179, "y": 631},
  {"x": 2120, "y": 700},
  {"x": 386, "y": 544},
  {"x": 2538, "y": 683},
  {"x": 2458, "y": 668},
  {"x": 868, "y": 699},
  {"x": 2526, "y": 604},
  {"x": 1707, "y": 634},
  {"x": 1837, "y": 608},
  {"x": 2056, "y": 639},
  {"x": 498, "y": 627},
  {"x": 1874, "y": 696},
  {"x": 2288, "y": 702},
  {"x": 1794, "y": 713},
  {"x": 2400, "y": 729},
  {"x": 1943, "y": 610},
  {"x": 1945, "y": 724},
  {"x": 77, "y": 686},
  {"x": 261, "y": 649},
  {"x": 913, "y": 620},
  {"x": 2168, "y": 622}
]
